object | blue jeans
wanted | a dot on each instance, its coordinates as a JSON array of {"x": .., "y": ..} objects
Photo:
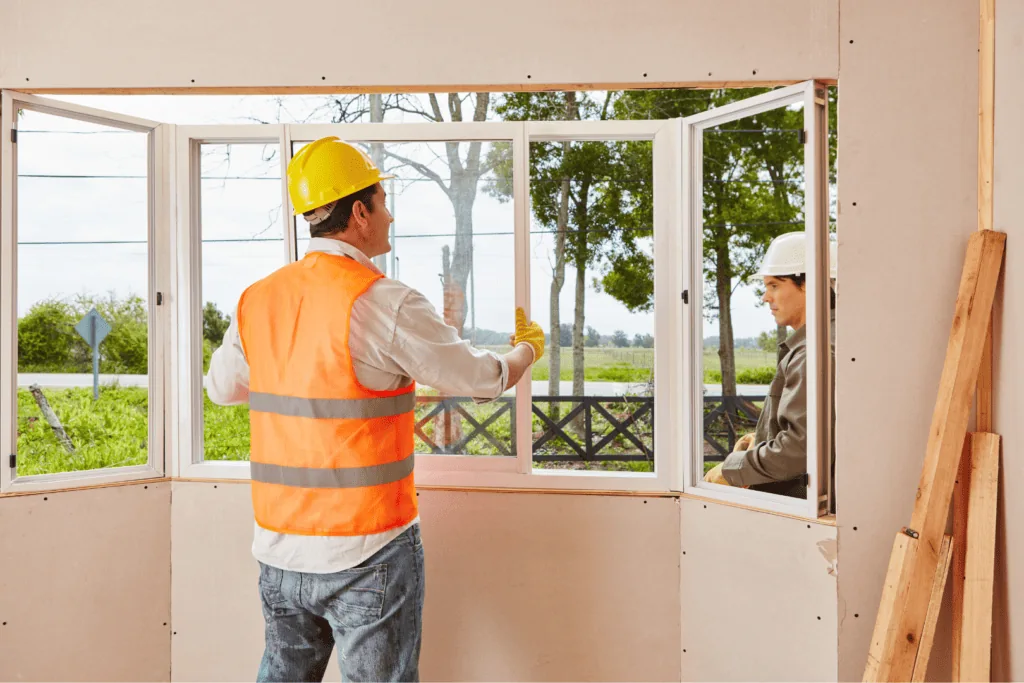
[{"x": 372, "y": 613}]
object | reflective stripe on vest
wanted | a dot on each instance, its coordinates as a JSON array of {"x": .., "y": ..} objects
[
  {"x": 328, "y": 478},
  {"x": 328, "y": 408}
]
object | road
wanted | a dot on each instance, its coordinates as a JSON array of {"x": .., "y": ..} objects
[{"x": 66, "y": 381}]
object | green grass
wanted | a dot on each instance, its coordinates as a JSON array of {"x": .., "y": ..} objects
[{"x": 110, "y": 432}]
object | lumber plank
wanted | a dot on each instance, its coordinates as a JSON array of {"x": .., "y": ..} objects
[
  {"x": 945, "y": 440},
  {"x": 934, "y": 606},
  {"x": 979, "y": 569},
  {"x": 901, "y": 547},
  {"x": 986, "y": 111},
  {"x": 960, "y": 497}
]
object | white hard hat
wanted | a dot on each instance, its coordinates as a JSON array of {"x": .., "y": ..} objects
[{"x": 786, "y": 256}]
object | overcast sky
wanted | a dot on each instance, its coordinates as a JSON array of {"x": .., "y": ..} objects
[{"x": 241, "y": 200}]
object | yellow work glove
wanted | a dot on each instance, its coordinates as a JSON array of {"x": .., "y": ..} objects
[
  {"x": 714, "y": 476},
  {"x": 744, "y": 443},
  {"x": 528, "y": 332}
]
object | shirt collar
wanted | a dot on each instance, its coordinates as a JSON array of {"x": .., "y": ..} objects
[{"x": 339, "y": 248}]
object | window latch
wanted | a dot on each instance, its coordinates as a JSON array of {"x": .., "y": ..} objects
[
  {"x": 686, "y": 296},
  {"x": 13, "y": 461},
  {"x": 159, "y": 298}
]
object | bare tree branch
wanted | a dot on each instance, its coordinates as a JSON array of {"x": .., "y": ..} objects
[
  {"x": 455, "y": 106},
  {"x": 436, "y": 106},
  {"x": 422, "y": 169},
  {"x": 483, "y": 100}
]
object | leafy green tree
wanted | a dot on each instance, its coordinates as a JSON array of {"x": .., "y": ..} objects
[
  {"x": 752, "y": 192},
  {"x": 768, "y": 342},
  {"x": 593, "y": 337},
  {"x": 620, "y": 340},
  {"x": 215, "y": 324}
]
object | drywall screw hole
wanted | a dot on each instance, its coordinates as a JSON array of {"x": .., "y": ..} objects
[
  {"x": 645, "y": 75},
  {"x": 856, "y": 616},
  {"x": 214, "y": 486},
  {"x": 854, "y": 528},
  {"x": 45, "y": 498},
  {"x": 819, "y": 618},
  {"x": 855, "y": 203},
  {"x": 323, "y": 78},
  {"x": 529, "y": 76},
  {"x": 709, "y": 73},
  {"x": 645, "y": 502},
  {"x": 808, "y": 526},
  {"x": 705, "y": 507},
  {"x": 755, "y": 72},
  {"x": 145, "y": 487}
]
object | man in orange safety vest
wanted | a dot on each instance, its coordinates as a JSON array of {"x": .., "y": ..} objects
[{"x": 327, "y": 353}]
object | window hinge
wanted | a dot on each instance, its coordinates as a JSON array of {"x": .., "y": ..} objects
[
  {"x": 159, "y": 298},
  {"x": 686, "y": 296},
  {"x": 14, "y": 135},
  {"x": 910, "y": 532},
  {"x": 803, "y": 137},
  {"x": 13, "y": 461}
]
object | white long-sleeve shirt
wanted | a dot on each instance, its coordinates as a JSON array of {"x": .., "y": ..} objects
[{"x": 396, "y": 336}]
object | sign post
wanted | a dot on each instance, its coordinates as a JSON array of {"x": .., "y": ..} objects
[{"x": 94, "y": 329}]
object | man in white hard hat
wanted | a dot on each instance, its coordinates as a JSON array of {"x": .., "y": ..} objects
[{"x": 774, "y": 458}]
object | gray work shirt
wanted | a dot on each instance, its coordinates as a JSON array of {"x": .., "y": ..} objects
[{"x": 777, "y": 462}]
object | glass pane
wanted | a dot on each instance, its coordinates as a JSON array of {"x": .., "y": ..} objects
[
  {"x": 242, "y": 242},
  {"x": 83, "y": 226},
  {"x": 754, "y": 308},
  {"x": 592, "y": 289},
  {"x": 453, "y": 230}
]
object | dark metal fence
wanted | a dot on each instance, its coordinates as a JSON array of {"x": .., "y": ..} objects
[{"x": 584, "y": 429}]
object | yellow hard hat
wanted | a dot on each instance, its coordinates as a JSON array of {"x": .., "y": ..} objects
[{"x": 326, "y": 170}]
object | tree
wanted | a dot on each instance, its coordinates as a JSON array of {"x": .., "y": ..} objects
[
  {"x": 620, "y": 340},
  {"x": 568, "y": 182},
  {"x": 752, "y": 191},
  {"x": 593, "y": 337},
  {"x": 768, "y": 342},
  {"x": 215, "y": 324},
  {"x": 643, "y": 341}
]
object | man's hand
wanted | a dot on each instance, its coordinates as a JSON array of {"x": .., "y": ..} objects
[
  {"x": 744, "y": 442},
  {"x": 714, "y": 476},
  {"x": 528, "y": 332}
]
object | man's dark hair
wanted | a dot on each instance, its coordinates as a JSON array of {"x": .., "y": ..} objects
[{"x": 338, "y": 220}]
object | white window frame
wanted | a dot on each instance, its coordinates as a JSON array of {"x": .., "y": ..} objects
[
  {"x": 186, "y": 439},
  {"x": 453, "y": 470},
  {"x": 815, "y": 102},
  {"x": 160, "y": 204}
]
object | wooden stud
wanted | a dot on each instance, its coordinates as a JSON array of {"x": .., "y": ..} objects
[
  {"x": 877, "y": 654},
  {"x": 979, "y": 569},
  {"x": 960, "y": 498},
  {"x": 934, "y": 606},
  {"x": 949, "y": 427},
  {"x": 986, "y": 112}
]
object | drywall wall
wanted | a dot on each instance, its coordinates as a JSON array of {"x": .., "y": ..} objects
[
  {"x": 85, "y": 585},
  {"x": 1008, "y": 636},
  {"x": 60, "y": 44},
  {"x": 519, "y": 586},
  {"x": 908, "y": 93},
  {"x": 758, "y": 596}
]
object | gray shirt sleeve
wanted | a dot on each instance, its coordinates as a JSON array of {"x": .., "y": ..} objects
[{"x": 784, "y": 456}]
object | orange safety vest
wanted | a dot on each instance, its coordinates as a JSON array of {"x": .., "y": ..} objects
[{"x": 329, "y": 457}]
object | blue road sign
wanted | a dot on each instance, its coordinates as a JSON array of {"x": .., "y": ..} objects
[{"x": 94, "y": 329}]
